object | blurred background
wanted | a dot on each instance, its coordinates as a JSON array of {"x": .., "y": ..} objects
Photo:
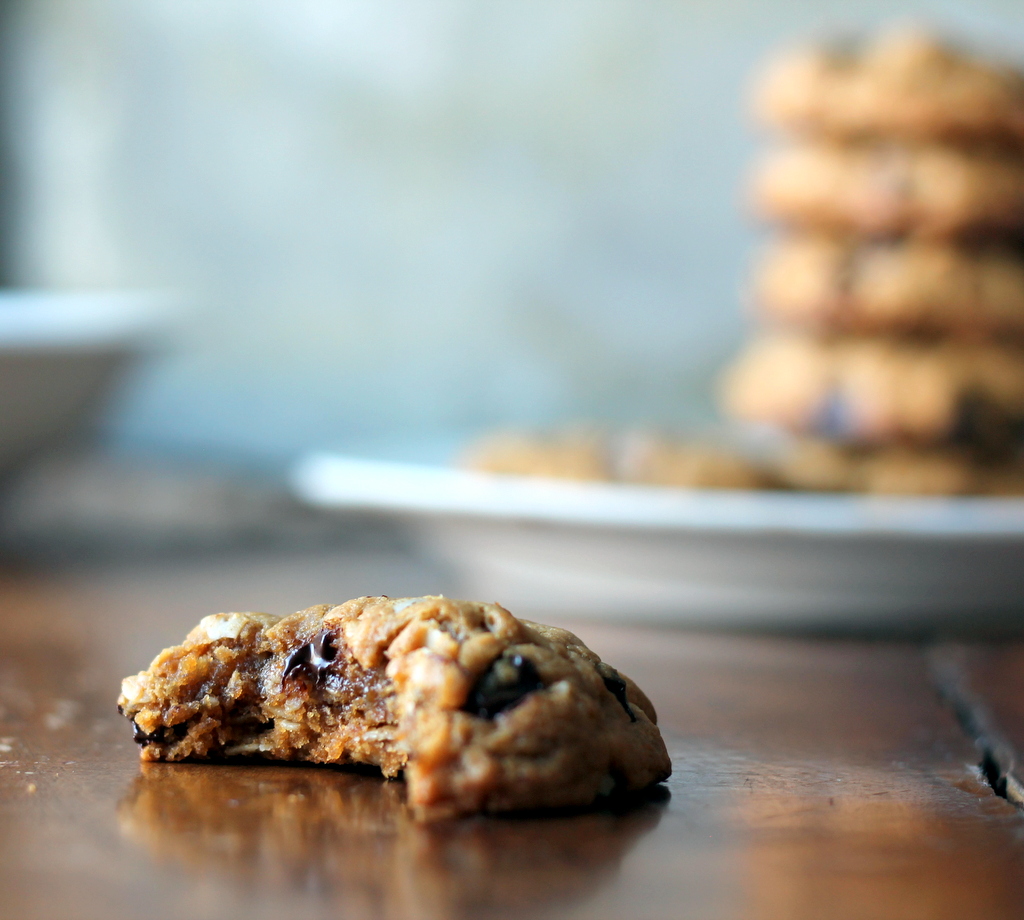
[{"x": 383, "y": 226}]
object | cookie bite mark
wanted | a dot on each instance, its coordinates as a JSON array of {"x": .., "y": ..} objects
[{"x": 482, "y": 711}]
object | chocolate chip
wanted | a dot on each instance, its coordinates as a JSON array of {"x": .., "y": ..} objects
[
  {"x": 141, "y": 737},
  {"x": 314, "y": 658},
  {"x": 502, "y": 685},
  {"x": 983, "y": 425},
  {"x": 162, "y": 735},
  {"x": 616, "y": 686}
]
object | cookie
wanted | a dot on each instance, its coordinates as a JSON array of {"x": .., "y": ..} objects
[
  {"x": 889, "y": 189},
  {"x": 580, "y": 455},
  {"x": 479, "y": 710},
  {"x": 901, "y": 84},
  {"x": 657, "y": 460},
  {"x": 640, "y": 457},
  {"x": 835, "y": 284},
  {"x": 877, "y": 391},
  {"x": 823, "y": 466}
]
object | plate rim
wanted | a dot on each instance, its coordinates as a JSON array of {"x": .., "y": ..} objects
[{"x": 334, "y": 481}]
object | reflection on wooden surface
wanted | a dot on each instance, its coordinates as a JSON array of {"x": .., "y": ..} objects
[
  {"x": 350, "y": 836},
  {"x": 813, "y": 779}
]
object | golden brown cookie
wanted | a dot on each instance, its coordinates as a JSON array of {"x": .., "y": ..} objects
[
  {"x": 887, "y": 189},
  {"x": 576, "y": 454},
  {"x": 480, "y": 710},
  {"x": 639, "y": 457},
  {"x": 657, "y": 460},
  {"x": 840, "y": 284},
  {"x": 823, "y": 466},
  {"x": 901, "y": 84},
  {"x": 876, "y": 391}
]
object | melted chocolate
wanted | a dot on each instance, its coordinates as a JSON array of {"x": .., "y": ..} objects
[{"x": 314, "y": 658}]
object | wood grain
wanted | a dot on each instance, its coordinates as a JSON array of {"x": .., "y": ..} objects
[
  {"x": 812, "y": 779},
  {"x": 984, "y": 684}
]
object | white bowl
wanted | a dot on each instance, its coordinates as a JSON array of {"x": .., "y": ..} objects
[
  {"x": 60, "y": 354},
  {"x": 688, "y": 556}
]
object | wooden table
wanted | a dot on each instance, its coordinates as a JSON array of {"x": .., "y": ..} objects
[{"x": 817, "y": 779}]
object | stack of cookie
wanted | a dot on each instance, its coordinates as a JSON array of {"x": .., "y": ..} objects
[{"x": 893, "y": 296}]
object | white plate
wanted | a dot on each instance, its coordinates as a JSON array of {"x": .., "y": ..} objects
[{"x": 696, "y": 556}]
